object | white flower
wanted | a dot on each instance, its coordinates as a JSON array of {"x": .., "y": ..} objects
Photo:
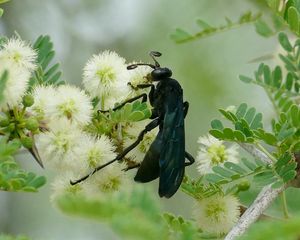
[
  {"x": 61, "y": 185},
  {"x": 105, "y": 76},
  {"x": 19, "y": 54},
  {"x": 217, "y": 214},
  {"x": 70, "y": 103},
  {"x": 213, "y": 152},
  {"x": 109, "y": 179},
  {"x": 139, "y": 75},
  {"x": 59, "y": 146},
  {"x": 16, "y": 84},
  {"x": 44, "y": 97},
  {"x": 93, "y": 152},
  {"x": 138, "y": 153}
]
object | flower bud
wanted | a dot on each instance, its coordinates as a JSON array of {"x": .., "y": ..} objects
[
  {"x": 27, "y": 142},
  {"x": 28, "y": 101},
  {"x": 243, "y": 186},
  {"x": 11, "y": 127},
  {"x": 32, "y": 124},
  {"x": 4, "y": 121}
]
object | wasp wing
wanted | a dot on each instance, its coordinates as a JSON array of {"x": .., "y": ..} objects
[
  {"x": 149, "y": 169},
  {"x": 172, "y": 153}
]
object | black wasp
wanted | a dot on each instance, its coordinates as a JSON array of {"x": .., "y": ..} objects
[{"x": 166, "y": 156}]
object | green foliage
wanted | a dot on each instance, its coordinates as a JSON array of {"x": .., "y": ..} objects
[
  {"x": 12, "y": 178},
  {"x": 198, "y": 189},
  {"x": 131, "y": 112},
  {"x": 134, "y": 216},
  {"x": 267, "y": 30},
  {"x": 9, "y": 237},
  {"x": 289, "y": 11},
  {"x": 46, "y": 73},
  {"x": 179, "y": 228},
  {"x": 281, "y": 92},
  {"x": 1, "y": 10},
  {"x": 247, "y": 126},
  {"x": 3, "y": 80},
  {"x": 283, "y": 171},
  {"x": 276, "y": 230},
  {"x": 182, "y": 36}
]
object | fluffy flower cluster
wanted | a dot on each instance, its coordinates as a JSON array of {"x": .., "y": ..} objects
[
  {"x": 217, "y": 214},
  {"x": 213, "y": 152},
  {"x": 63, "y": 102},
  {"x": 132, "y": 131},
  {"x": 106, "y": 77},
  {"x": 66, "y": 146},
  {"x": 18, "y": 59}
]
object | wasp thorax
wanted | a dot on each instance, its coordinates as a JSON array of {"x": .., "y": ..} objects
[{"x": 161, "y": 73}]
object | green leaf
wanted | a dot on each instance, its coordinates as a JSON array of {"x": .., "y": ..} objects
[
  {"x": 277, "y": 184},
  {"x": 277, "y": 77},
  {"x": 293, "y": 19},
  {"x": 180, "y": 35},
  {"x": 228, "y": 133},
  {"x": 289, "y": 175},
  {"x": 263, "y": 29},
  {"x": 234, "y": 167},
  {"x": 241, "y": 111},
  {"x": 222, "y": 171},
  {"x": 245, "y": 79},
  {"x": 204, "y": 25},
  {"x": 136, "y": 116},
  {"x": 284, "y": 41},
  {"x": 248, "y": 164},
  {"x": 257, "y": 121},
  {"x": 294, "y": 112},
  {"x": 217, "y": 124},
  {"x": 3, "y": 80},
  {"x": 250, "y": 115},
  {"x": 267, "y": 75},
  {"x": 216, "y": 133},
  {"x": 213, "y": 178},
  {"x": 239, "y": 136},
  {"x": 230, "y": 116}
]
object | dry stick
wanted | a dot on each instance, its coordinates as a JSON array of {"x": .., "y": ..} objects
[{"x": 260, "y": 204}]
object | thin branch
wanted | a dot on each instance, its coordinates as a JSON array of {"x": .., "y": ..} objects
[
  {"x": 260, "y": 204},
  {"x": 256, "y": 153}
]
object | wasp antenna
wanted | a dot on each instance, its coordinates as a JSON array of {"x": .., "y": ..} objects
[
  {"x": 154, "y": 54},
  {"x": 93, "y": 172},
  {"x": 135, "y": 65},
  {"x": 130, "y": 67}
]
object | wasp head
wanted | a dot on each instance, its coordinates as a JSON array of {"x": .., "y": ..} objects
[{"x": 158, "y": 72}]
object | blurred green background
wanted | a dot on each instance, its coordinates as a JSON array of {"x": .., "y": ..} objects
[{"x": 207, "y": 69}]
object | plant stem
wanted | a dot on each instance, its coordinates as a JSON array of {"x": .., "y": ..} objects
[
  {"x": 260, "y": 204},
  {"x": 284, "y": 205},
  {"x": 277, "y": 111},
  {"x": 265, "y": 151},
  {"x": 262, "y": 201}
]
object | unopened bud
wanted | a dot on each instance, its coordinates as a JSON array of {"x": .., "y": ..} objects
[
  {"x": 4, "y": 121},
  {"x": 32, "y": 124},
  {"x": 243, "y": 186},
  {"x": 27, "y": 142},
  {"x": 28, "y": 101}
]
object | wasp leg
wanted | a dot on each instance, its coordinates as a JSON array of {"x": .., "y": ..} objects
[
  {"x": 185, "y": 108},
  {"x": 132, "y": 167},
  {"x": 153, "y": 124},
  {"x": 143, "y": 96},
  {"x": 190, "y": 158}
]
